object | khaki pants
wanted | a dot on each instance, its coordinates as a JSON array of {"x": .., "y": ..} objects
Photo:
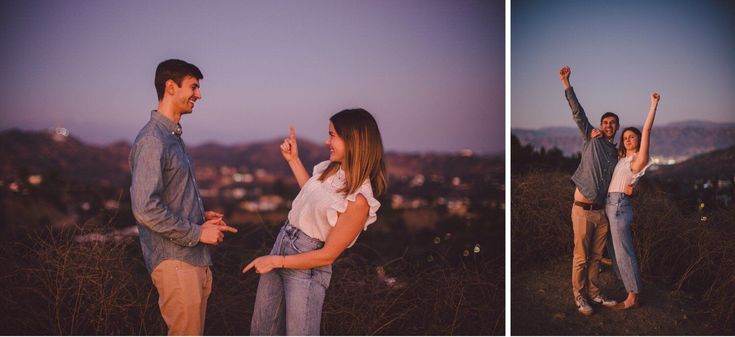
[
  {"x": 183, "y": 290},
  {"x": 590, "y": 235}
]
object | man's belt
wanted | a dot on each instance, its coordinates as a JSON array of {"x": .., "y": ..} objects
[{"x": 588, "y": 207}]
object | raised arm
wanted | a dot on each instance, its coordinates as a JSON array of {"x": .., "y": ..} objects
[
  {"x": 642, "y": 158},
  {"x": 580, "y": 118},
  {"x": 564, "y": 74},
  {"x": 290, "y": 152},
  {"x": 349, "y": 224}
]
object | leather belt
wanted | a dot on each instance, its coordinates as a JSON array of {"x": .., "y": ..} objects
[{"x": 589, "y": 207}]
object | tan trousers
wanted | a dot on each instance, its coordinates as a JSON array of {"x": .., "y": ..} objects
[
  {"x": 183, "y": 290},
  {"x": 590, "y": 235}
]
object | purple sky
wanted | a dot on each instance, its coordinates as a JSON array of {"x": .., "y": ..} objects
[
  {"x": 619, "y": 52},
  {"x": 431, "y": 72}
]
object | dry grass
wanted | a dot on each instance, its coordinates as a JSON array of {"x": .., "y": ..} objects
[
  {"x": 467, "y": 300},
  {"x": 541, "y": 205},
  {"x": 678, "y": 249},
  {"x": 56, "y": 286}
]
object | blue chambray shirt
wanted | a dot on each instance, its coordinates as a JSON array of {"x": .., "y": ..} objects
[
  {"x": 164, "y": 197},
  {"x": 599, "y": 156}
]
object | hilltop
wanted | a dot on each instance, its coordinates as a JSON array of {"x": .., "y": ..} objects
[
  {"x": 683, "y": 237},
  {"x": 704, "y": 166}
]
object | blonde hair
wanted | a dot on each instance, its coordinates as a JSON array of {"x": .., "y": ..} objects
[{"x": 363, "y": 151}]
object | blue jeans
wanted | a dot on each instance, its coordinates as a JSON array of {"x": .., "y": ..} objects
[
  {"x": 289, "y": 301},
  {"x": 622, "y": 251}
]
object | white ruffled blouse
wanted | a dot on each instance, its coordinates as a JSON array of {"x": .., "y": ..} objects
[
  {"x": 315, "y": 209},
  {"x": 624, "y": 176}
]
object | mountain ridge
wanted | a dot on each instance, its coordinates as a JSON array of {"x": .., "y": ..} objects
[
  {"x": 34, "y": 152},
  {"x": 678, "y": 139}
]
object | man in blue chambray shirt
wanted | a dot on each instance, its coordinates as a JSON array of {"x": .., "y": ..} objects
[
  {"x": 175, "y": 232},
  {"x": 589, "y": 222}
]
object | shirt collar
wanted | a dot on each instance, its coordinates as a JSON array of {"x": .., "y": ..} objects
[{"x": 171, "y": 126}]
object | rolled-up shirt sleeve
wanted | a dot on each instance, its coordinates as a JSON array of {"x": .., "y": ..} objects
[
  {"x": 146, "y": 193},
  {"x": 578, "y": 114}
]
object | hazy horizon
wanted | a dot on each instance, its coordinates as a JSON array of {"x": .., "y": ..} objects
[
  {"x": 314, "y": 142},
  {"x": 658, "y": 124}
]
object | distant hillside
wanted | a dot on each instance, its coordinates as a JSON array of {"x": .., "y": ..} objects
[
  {"x": 719, "y": 163},
  {"x": 262, "y": 155},
  {"x": 678, "y": 139},
  {"x": 43, "y": 152}
]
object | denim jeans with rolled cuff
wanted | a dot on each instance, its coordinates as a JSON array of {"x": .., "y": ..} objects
[
  {"x": 289, "y": 301},
  {"x": 620, "y": 215}
]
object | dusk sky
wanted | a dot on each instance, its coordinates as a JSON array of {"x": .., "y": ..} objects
[
  {"x": 431, "y": 72},
  {"x": 619, "y": 52}
]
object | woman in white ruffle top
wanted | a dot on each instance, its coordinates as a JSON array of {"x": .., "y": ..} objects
[
  {"x": 633, "y": 161},
  {"x": 335, "y": 204}
]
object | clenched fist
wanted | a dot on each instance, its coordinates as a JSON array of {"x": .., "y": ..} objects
[
  {"x": 655, "y": 97},
  {"x": 564, "y": 76},
  {"x": 565, "y": 72}
]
